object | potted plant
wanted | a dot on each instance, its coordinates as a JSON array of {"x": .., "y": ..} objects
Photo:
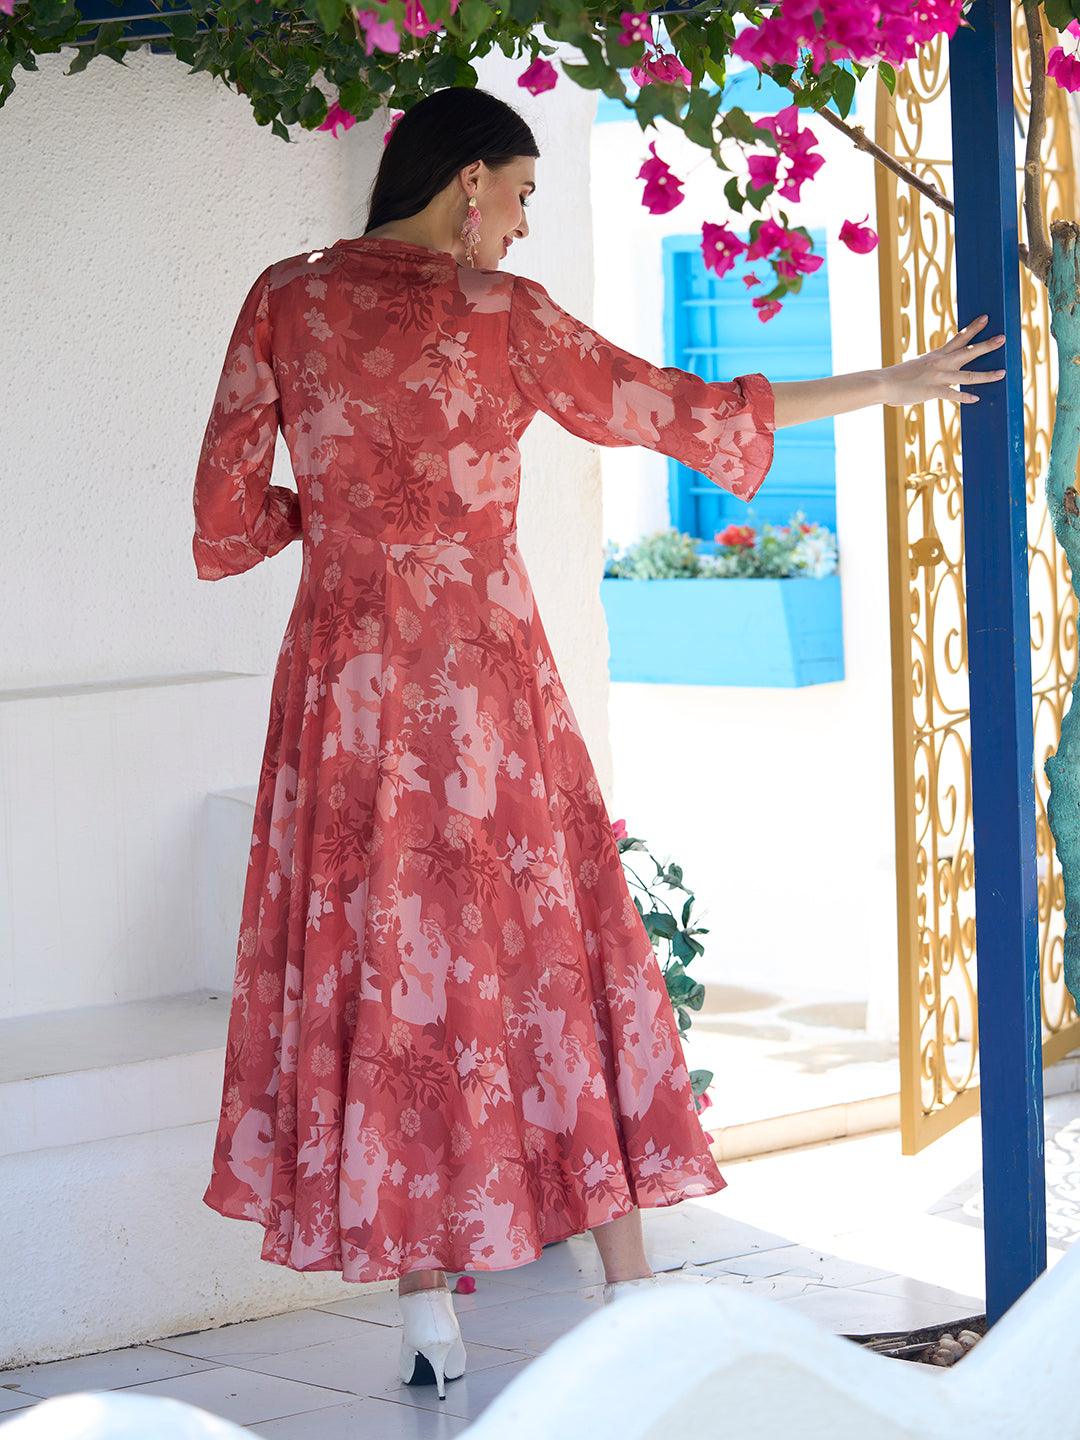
[{"x": 775, "y": 620}]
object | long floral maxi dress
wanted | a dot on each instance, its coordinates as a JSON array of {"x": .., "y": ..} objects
[{"x": 450, "y": 1040}]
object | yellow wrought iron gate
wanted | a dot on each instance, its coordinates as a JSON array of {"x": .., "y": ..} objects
[{"x": 939, "y": 1036}]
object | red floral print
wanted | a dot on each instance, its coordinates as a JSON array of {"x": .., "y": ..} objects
[{"x": 450, "y": 1041}]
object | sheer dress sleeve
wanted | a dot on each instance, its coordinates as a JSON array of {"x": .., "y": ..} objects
[
  {"x": 602, "y": 393},
  {"x": 240, "y": 518}
]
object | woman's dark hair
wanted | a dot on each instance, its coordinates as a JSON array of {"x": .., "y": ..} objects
[{"x": 437, "y": 137}]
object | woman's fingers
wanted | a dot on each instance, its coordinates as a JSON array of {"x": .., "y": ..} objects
[
  {"x": 981, "y": 346},
  {"x": 958, "y": 339},
  {"x": 979, "y": 377}
]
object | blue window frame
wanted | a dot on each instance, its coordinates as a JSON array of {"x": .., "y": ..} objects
[{"x": 711, "y": 328}]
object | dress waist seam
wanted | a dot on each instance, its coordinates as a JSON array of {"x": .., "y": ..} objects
[{"x": 467, "y": 542}]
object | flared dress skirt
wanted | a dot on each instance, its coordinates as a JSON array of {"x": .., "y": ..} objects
[{"x": 450, "y": 1040}]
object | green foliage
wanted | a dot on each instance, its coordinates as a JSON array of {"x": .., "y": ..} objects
[
  {"x": 662, "y": 555},
  {"x": 773, "y": 553},
  {"x": 673, "y": 938},
  {"x": 293, "y": 58},
  {"x": 1060, "y": 12}
]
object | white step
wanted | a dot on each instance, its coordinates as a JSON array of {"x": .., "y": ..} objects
[{"x": 73, "y": 1076}]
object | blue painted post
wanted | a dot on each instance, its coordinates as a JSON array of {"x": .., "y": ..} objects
[{"x": 999, "y": 657}]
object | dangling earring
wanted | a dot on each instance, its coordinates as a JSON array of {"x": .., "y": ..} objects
[{"x": 470, "y": 231}]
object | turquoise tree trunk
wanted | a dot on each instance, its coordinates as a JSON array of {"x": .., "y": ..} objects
[{"x": 1063, "y": 767}]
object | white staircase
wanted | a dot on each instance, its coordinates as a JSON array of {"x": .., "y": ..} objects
[{"x": 126, "y": 818}]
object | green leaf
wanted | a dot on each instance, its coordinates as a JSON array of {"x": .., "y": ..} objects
[
  {"x": 700, "y": 1080},
  {"x": 330, "y": 13},
  {"x": 181, "y": 26},
  {"x": 734, "y": 195},
  {"x": 475, "y": 16},
  {"x": 684, "y": 947},
  {"x": 658, "y": 922},
  {"x": 1060, "y": 12},
  {"x": 888, "y": 76},
  {"x": 844, "y": 91},
  {"x": 312, "y": 108},
  {"x": 81, "y": 60},
  {"x": 441, "y": 69},
  {"x": 737, "y": 125},
  {"x": 592, "y": 76}
]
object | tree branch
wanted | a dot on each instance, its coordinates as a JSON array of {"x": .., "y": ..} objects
[
  {"x": 858, "y": 137},
  {"x": 1034, "y": 218}
]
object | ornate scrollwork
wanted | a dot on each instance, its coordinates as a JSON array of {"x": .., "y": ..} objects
[{"x": 935, "y": 860}]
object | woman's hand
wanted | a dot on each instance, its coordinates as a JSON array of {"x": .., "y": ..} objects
[
  {"x": 932, "y": 376},
  {"x": 927, "y": 377}
]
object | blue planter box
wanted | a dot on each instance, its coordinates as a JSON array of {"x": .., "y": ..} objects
[{"x": 725, "y": 632}]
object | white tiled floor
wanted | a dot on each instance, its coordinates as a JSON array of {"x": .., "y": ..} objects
[{"x": 852, "y": 1233}]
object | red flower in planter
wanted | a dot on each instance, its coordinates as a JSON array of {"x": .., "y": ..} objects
[{"x": 737, "y": 537}]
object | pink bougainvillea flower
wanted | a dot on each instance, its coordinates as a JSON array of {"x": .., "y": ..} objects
[
  {"x": 416, "y": 21},
  {"x": 336, "y": 115},
  {"x": 379, "y": 34},
  {"x": 393, "y": 125},
  {"x": 858, "y": 237},
  {"x": 836, "y": 30},
  {"x": 799, "y": 260},
  {"x": 661, "y": 69},
  {"x": 618, "y": 829},
  {"x": 750, "y": 279},
  {"x": 636, "y": 26},
  {"x": 1063, "y": 69},
  {"x": 540, "y": 76},
  {"x": 704, "y": 1100},
  {"x": 719, "y": 247},
  {"x": 763, "y": 171},
  {"x": 7, "y": 7},
  {"x": 770, "y": 236},
  {"x": 796, "y": 147},
  {"x": 465, "y": 1285},
  {"x": 766, "y": 308},
  {"x": 663, "y": 188},
  {"x": 737, "y": 537}
]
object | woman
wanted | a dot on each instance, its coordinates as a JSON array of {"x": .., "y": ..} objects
[{"x": 450, "y": 1042}]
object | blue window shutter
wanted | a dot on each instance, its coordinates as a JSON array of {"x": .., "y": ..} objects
[{"x": 711, "y": 328}]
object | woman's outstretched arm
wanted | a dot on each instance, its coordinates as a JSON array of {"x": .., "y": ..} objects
[{"x": 926, "y": 377}]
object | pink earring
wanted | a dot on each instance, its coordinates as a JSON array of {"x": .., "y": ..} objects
[{"x": 470, "y": 231}]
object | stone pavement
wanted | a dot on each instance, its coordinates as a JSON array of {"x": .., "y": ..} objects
[{"x": 852, "y": 1233}]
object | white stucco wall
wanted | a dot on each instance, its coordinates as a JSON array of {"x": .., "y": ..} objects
[
  {"x": 778, "y": 803},
  {"x": 141, "y": 202},
  {"x": 147, "y": 200}
]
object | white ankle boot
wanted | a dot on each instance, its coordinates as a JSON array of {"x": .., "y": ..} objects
[{"x": 431, "y": 1345}]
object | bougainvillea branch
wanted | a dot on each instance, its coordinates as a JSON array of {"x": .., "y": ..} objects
[{"x": 327, "y": 64}]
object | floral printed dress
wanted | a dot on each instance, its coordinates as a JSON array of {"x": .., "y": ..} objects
[{"x": 450, "y": 1041}]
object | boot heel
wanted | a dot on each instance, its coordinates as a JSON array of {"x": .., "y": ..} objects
[{"x": 435, "y": 1354}]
